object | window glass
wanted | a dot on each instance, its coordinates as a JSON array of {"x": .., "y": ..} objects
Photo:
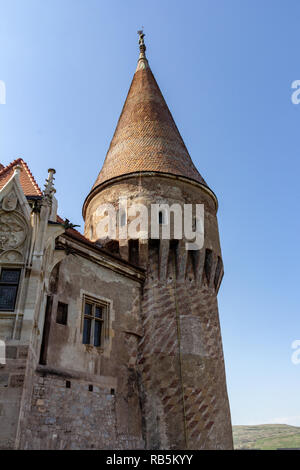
[
  {"x": 9, "y": 283},
  {"x": 95, "y": 317},
  {"x": 97, "y": 333},
  {"x": 88, "y": 309},
  {"x": 87, "y": 324},
  {"x": 98, "y": 311}
]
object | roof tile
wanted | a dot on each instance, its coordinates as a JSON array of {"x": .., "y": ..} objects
[
  {"x": 28, "y": 183},
  {"x": 146, "y": 137}
]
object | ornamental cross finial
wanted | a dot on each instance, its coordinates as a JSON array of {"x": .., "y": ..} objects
[
  {"x": 142, "y": 62},
  {"x": 141, "y": 40}
]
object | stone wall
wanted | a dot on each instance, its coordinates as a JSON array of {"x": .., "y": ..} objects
[
  {"x": 154, "y": 189},
  {"x": 181, "y": 359},
  {"x": 73, "y": 414},
  {"x": 86, "y": 397},
  {"x": 11, "y": 387},
  {"x": 183, "y": 385}
]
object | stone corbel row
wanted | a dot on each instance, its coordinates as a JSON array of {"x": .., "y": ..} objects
[{"x": 207, "y": 266}]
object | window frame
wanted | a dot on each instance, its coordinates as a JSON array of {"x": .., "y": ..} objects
[
  {"x": 10, "y": 284},
  {"x": 104, "y": 321}
]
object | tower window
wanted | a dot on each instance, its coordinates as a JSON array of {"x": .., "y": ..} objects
[
  {"x": 95, "y": 318},
  {"x": 134, "y": 251},
  {"x": 218, "y": 272},
  {"x": 160, "y": 218},
  {"x": 9, "y": 284},
  {"x": 208, "y": 263},
  {"x": 62, "y": 313}
]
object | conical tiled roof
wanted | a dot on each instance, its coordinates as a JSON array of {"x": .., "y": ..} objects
[{"x": 146, "y": 138}]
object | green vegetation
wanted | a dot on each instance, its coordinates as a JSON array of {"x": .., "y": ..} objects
[{"x": 266, "y": 437}]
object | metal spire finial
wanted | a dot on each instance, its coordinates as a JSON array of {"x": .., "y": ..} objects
[
  {"x": 141, "y": 38},
  {"x": 142, "y": 62}
]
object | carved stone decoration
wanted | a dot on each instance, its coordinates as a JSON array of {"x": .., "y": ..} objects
[
  {"x": 10, "y": 202},
  {"x": 11, "y": 256},
  {"x": 13, "y": 230}
]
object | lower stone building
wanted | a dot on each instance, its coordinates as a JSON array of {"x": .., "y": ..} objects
[{"x": 112, "y": 343}]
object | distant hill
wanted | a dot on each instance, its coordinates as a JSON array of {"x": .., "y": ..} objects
[{"x": 266, "y": 437}]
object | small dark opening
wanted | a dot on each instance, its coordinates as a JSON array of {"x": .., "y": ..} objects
[
  {"x": 62, "y": 313},
  {"x": 68, "y": 384},
  {"x": 173, "y": 260},
  {"x": 218, "y": 272},
  {"x": 208, "y": 263},
  {"x": 134, "y": 252},
  {"x": 91, "y": 388},
  {"x": 112, "y": 391},
  {"x": 46, "y": 331},
  {"x": 160, "y": 218}
]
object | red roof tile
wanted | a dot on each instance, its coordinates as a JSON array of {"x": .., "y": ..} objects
[
  {"x": 146, "y": 137},
  {"x": 28, "y": 183}
]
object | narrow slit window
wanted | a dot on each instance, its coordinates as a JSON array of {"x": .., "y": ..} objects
[
  {"x": 208, "y": 263},
  {"x": 9, "y": 284},
  {"x": 160, "y": 218}
]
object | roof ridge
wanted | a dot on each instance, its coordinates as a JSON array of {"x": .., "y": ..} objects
[
  {"x": 10, "y": 165},
  {"x": 24, "y": 165},
  {"x": 31, "y": 176}
]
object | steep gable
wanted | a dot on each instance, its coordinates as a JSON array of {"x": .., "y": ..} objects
[{"x": 28, "y": 183}]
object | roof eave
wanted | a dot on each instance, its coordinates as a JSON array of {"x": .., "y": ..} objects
[{"x": 116, "y": 179}]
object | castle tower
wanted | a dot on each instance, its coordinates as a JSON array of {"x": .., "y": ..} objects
[{"x": 183, "y": 385}]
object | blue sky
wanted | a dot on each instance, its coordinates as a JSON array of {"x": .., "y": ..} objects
[{"x": 225, "y": 68}]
